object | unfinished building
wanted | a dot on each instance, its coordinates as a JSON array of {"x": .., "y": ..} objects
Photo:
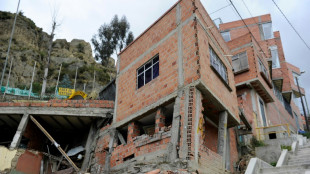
[
  {"x": 175, "y": 99},
  {"x": 265, "y": 81}
]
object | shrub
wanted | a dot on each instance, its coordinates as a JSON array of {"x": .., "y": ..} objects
[
  {"x": 289, "y": 148},
  {"x": 306, "y": 134},
  {"x": 273, "y": 164},
  {"x": 256, "y": 143}
]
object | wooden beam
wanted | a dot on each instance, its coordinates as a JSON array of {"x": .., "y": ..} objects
[
  {"x": 81, "y": 121},
  {"x": 56, "y": 121},
  {"x": 11, "y": 118},
  {"x": 55, "y": 143},
  {"x": 121, "y": 138}
]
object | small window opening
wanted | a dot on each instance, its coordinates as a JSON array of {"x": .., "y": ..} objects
[
  {"x": 272, "y": 136},
  {"x": 129, "y": 157}
]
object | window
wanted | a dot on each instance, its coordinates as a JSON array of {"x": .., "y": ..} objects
[
  {"x": 262, "y": 112},
  {"x": 218, "y": 65},
  {"x": 275, "y": 56},
  {"x": 294, "y": 76},
  {"x": 297, "y": 121},
  {"x": 263, "y": 69},
  {"x": 267, "y": 31},
  {"x": 148, "y": 71},
  {"x": 278, "y": 94},
  {"x": 240, "y": 62},
  {"x": 226, "y": 36}
]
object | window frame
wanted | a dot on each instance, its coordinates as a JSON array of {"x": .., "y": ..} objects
[
  {"x": 145, "y": 70},
  {"x": 218, "y": 66},
  {"x": 262, "y": 106},
  {"x": 225, "y": 32},
  {"x": 237, "y": 57},
  {"x": 264, "y": 30},
  {"x": 272, "y": 49}
]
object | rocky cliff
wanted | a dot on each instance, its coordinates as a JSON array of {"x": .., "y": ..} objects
[{"x": 30, "y": 44}]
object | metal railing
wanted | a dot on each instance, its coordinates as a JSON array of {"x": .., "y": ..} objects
[{"x": 283, "y": 128}]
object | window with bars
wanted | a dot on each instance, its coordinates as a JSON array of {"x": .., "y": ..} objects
[
  {"x": 240, "y": 62},
  {"x": 226, "y": 36},
  {"x": 267, "y": 30},
  {"x": 148, "y": 72},
  {"x": 218, "y": 65}
]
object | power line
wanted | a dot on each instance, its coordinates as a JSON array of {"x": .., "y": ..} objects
[
  {"x": 291, "y": 24},
  {"x": 247, "y": 27},
  {"x": 220, "y": 9},
  {"x": 247, "y": 8}
]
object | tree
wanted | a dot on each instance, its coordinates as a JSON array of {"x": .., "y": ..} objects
[
  {"x": 54, "y": 25},
  {"x": 65, "y": 82},
  {"x": 112, "y": 38}
]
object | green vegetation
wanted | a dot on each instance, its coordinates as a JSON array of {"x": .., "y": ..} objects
[
  {"x": 306, "y": 134},
  {"x": 80, "y": 48},
  {"x": 36, "y": 87},
  {"x": 273, "y": 164},
  {"x": 257, "y": 143},
  {"x": 289, "y": 148}
]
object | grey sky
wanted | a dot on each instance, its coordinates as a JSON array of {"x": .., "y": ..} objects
[{"x": 81, "y": 19}]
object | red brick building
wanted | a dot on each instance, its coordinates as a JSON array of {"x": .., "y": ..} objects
[
  {"x": 264, "y": 80},
  {"x": 175, "y": 99}
]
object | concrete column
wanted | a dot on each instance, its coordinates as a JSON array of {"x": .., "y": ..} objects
[
  {"x": 175, "y": 128},
  {"x": 197, "y": 117},
  {"x": 222, "y": 134},
  {"x": 159, "y": 120},
  {"x": 107, "y": 165},
  {"x": 133, "y": 131},
  {"x": 90, "y": 140},
  {"x": 20, "y": 131}
]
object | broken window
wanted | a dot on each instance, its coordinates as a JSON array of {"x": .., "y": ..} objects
[
  {"x": 148, "y": 72},
  {"x": 226, "y": 36},
  {"x": 218, "y": 65},
  {"x": 275, "y": 56},
  {"x": 240, "y": 62},
  {"x": 272, "y": 135},
  {"x": 267, "y": 30}
]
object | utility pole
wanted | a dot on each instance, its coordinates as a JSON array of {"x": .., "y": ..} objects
[
  {"x": 7, "y": 82},
  {"x": 58, "y": 80},
  {"x": 34, "y": 69},
  {"x": 75, "y": 77},
  {"x": 302, "y": 103},
  {"x": 94, "y": 80},
  {"x": 10, "y": 42},
  {"x": 307, "y": 105}
]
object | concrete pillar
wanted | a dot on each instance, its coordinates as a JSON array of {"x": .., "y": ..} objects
[
  {"x": 88, "y": 147},
  {"x": 107, "y": 165},
  {"x": 197, "y": 117},
  {"x": 133, "y": 131},
  {"x": 175, "y": 128},
  {"x": 159, "y": 120},
  {"x": 222, "y": 134},
  {"x": 20, "y": 131}
]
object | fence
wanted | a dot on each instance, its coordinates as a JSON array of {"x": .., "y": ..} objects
[
  {"x": 25, "y": 93},
  {"x": 281, "y": 130}
]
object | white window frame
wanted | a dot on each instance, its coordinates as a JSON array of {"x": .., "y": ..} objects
[
  {"x": 275, "y": 65},
  {"x": 264, "y": 26},
  {"x": 238, "y": 57},
  {"x": 144, "y": 71},
  {"x": 260, "y": 111},
  {"x": 225, "y": 34},
  {"x": 218, "y": 65}
]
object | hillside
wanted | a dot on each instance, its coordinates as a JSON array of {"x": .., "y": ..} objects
[{"x": 30, "y": 44}]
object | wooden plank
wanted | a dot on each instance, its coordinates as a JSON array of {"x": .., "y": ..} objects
[{"x": 55, "y": 143}]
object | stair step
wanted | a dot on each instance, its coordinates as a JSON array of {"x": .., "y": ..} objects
[{"x": 294, "y": 169}]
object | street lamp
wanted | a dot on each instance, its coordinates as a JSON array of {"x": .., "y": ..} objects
[{"x": 302, "y": 102}]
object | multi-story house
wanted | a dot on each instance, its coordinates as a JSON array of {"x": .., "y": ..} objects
[
  {"x": 264, "y": 80},
  {"x": 176, "y": 100}
]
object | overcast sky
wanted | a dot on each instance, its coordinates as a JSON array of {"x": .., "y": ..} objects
[{"x": 80, "y": 19}]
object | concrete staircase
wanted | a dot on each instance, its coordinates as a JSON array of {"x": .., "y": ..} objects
[{"x": 298, "y": 163}]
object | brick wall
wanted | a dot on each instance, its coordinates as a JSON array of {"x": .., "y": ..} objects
[{"x": 62, "y": 103}]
